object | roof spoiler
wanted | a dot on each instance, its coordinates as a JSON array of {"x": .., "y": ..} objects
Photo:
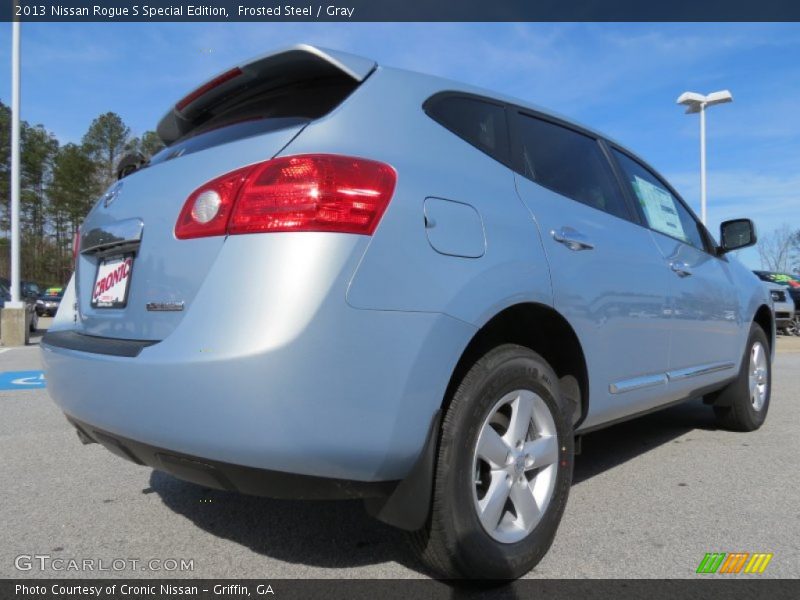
[{"x": 285, "y": 67}]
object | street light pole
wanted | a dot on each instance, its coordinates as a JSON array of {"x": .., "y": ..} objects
[
  {"x": 14, "y": 325},
  {"x": 15, "y": 159},
  {"x": 703, "y": 163},
  {"x": 697, "y": 103}
]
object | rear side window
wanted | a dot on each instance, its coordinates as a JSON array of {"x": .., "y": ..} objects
[
  {"x": 569, "y": 163},
  {"x": 662, "y": 211},
  {"x": 479, "y": 122}
]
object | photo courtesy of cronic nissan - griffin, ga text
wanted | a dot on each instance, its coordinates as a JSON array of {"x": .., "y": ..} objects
[{"x": 452, "y": 286}]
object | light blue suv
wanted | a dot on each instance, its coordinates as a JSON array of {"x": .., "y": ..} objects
[{"x": 451, "y": 286}]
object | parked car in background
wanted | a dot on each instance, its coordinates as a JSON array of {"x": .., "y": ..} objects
[
  {"x": 784, "y": 308},
  {"x": 28, "y": 289},
  {"x": 791, "y": 284},
  {"x": 27, "y": 297},
  {"x": 47, "y": 304},
  {"x": 452, "y": 285}
]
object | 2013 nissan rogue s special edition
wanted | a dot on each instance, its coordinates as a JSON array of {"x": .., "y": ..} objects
[{"x": 452, "y": 286}]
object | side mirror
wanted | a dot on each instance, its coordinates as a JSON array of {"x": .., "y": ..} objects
[{"x": 735, "y": 234}]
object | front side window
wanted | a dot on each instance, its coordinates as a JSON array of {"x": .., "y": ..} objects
[
  {"x": 569, "y": 163},
  {"x": 662, "y": 211}
]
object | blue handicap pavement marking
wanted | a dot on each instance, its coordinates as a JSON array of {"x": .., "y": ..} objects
[{"x": 21, "y": 380}]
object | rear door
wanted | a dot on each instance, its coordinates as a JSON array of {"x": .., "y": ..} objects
[
  {"x": 609, "y": 280},
  {"x": 703, "y": 299}
]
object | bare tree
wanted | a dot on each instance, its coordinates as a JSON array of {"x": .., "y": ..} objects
[{"x": 778, "y": 250}]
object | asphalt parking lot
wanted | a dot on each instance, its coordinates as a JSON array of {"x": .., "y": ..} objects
[{"x": 650, "y": 498}]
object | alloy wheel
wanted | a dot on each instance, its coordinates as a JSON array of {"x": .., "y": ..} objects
[{"x": 515, "y": 465}]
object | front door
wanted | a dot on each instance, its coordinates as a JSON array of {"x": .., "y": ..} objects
[{"x": 705, "y": 347}]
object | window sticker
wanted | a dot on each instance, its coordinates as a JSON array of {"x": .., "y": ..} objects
[{"x": 659, "y": 208}]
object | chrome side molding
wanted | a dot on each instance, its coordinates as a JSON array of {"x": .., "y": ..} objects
[
  {"x": 637, "y": 383},
  {"x": 679, "y": 374},
  {"x": 646, "y": 381}
]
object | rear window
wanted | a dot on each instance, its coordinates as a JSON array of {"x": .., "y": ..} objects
[
  {"x": 475, "y": 120},
  {"x": 256, "y": 107},
  {"x": 210, "y": 137}
]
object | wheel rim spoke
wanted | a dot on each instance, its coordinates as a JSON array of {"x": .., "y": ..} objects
[
  {"x": 493, "y": 503},
  {"x": 521, "y": 413},
  {"x": 543, "y": 450},
  {"x": 492, "y": 448},
  {"x": 528, "y": 511}
]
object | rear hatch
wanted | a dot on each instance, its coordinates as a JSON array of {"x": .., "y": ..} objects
[{"x": 134, "y": 279}]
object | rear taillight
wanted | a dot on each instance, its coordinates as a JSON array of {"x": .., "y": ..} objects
[
  {"x": 312, "y": 192},
  {"x": 197, "y": 219}
]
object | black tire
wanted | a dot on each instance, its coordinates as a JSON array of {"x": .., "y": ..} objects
[
  {"x": 454, "y": 543},
  {"x": 733, "y": 406}
]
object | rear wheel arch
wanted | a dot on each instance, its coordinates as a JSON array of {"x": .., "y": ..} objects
[{"x": 541, "y": 329}]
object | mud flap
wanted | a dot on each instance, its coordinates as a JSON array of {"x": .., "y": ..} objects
[{"x": 408, "y": 506}]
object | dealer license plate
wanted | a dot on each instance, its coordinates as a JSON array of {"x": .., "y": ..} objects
[{"x": 112, "y": 282}]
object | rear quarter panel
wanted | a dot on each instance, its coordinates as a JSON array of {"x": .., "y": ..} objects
[{"x": 400, "y": 270}]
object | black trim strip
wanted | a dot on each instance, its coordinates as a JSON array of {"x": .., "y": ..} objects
[
  {"x": 72, "y": 340},
  {"x": 226, "y": 476}
]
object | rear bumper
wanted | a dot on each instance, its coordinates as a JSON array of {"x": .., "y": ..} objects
[
  {"x": 347, "y": 394},
  {"x": 230, "y": 477}
]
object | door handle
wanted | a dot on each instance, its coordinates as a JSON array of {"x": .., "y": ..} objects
[
  {"x": 572, "y": 239},
  {"x": 680, "y": 268}
]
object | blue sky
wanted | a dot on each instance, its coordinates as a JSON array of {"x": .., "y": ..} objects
[{"x": 621, "y": 79}]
